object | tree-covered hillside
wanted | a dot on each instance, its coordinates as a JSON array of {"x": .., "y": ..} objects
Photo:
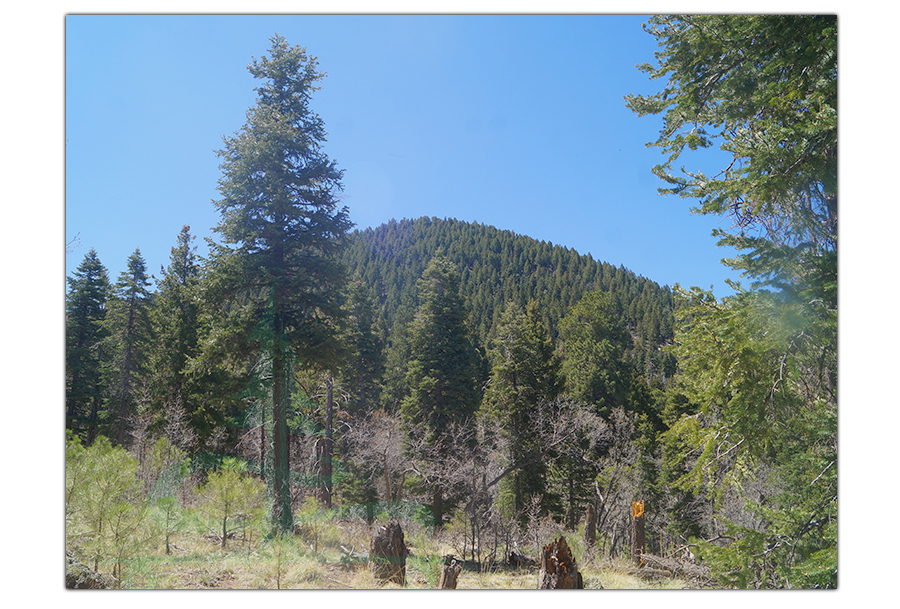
[
  {"x": 497, "y": 267},
  {"x": 494, "y": 390}
]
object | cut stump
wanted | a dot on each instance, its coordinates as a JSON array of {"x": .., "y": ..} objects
[
  {"x": 558, "y": 568},
  {"x": 387, "y": 554}
]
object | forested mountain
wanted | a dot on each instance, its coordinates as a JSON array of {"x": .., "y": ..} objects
[
  {"x": 497, "y": 267},
  {"x": 459, "y": 376}
]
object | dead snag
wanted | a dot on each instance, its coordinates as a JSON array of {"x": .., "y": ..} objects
[
  {"x": 637, "y": 531},
  {"x": 558, "y": 568},
  {"x": 590, "y": 527},
  {"x": 387, "y": 554},
  {"x": 450, "y": 573}
]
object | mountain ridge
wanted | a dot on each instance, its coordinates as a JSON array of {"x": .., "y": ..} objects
[{"x": 499, "y": 266}]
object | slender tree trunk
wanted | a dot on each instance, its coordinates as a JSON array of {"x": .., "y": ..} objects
[
  {"x": 262, "y": 443},
  {"x": 387, "y": 479},
  {"x": 590, "y": 526},
  {"x": 327, "y": 454},
  {"x": 92, "y": 422},
  {"x": 438, "y": 508},
  {"x": 281, "y": 467}
]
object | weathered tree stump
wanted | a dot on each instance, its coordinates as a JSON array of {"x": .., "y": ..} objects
[
  {"x": 450, "y": 573},
  {"x": 387, "y": 554},
  {"x": 558, "y": 568},
  {"x": 637, "y": 531}
]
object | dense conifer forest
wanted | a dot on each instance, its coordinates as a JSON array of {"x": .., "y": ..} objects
[
  {"x": 487, "y": 390},
  {"x": 498, "y": 267}
]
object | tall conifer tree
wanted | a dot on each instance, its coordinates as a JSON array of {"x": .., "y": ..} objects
[
  {"x": 524, "y": 378},
  {"x": 444, "y": 379},
  {"x": 761, "y": 365},
  {"x": 85, "y": 311},
  {"x": 176, "y": 321},
  {"x": 594, "y": 343},
  {"x": 283, "y": 231},
  {"x": 364, "y": 369},
  {"x": 128, "y": 323}
]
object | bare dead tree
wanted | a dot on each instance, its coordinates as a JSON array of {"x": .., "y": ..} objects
[
  {"x": 178, "y": 428},
  {"x": 375, "y": 444}
]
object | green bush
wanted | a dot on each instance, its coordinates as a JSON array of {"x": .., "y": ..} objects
[
  {"x": 105, "y": 509},
  {"x": 230, "y": 492}
]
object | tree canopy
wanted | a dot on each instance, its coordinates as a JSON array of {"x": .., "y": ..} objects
[
  {"x": 283, "y": 231},
  {"x": 760, "y": 367}
]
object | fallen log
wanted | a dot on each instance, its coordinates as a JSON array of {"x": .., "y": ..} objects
[
  {"x": 516, "y": 560},
  {"x": 670, "y": 567},
  {"x": 81, "y": 577}
]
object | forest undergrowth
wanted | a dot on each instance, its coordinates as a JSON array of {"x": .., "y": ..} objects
[{"x": 332, "y": 557}]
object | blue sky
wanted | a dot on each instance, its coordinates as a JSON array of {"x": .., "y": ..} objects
[{"x": 513, "y": 121}]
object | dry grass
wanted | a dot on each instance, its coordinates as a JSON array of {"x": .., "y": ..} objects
[{"x": 254, "y": 563}]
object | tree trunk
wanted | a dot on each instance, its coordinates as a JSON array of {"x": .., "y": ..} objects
[
  {"x": 437, "y": 506},
  {"x": 262, "y": 443},
  {"x": 283, "y": 516},
  {"x": 558, "y": 568},
  {"x": 450, "y": 573},
  {"x": 637, "y": 531},
  {"x": 590, "y": 526},
  {"x": 327, "y": 453},
  {"x": 387, "y": 478},
  {"x": 387, "y": 554}
]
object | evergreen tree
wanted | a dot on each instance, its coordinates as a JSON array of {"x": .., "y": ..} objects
[
  {"x": 365, "y": 366},
  {"x": 86, "y": 298},
  {"x": 176, "y": 318},
  {"x": 130, "y": 336},
  {"x": 594, "y": 346},
  {"x": 283, "y": 232},
  {"x": 524, "y": 377},
  {"x": 760, "y": 367},
  {"x": 444, "y": 379}
]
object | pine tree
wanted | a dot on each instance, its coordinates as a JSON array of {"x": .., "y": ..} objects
[
  {"x": 524, "y": 377},
  {"x": 365, "y": 366},
  {"x": 759, "y": 367},
  {"x": 444, "y": 378},
  {"x": 176, "y": 322},
  {"x": 594, "y": 345},
  {"x": 130, "y": 336},
  {"x": 85, "y": 312},
  {"x": 283, "y": 232}
]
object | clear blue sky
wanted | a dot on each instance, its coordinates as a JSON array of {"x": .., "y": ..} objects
[{"x": 513, "y": 121}]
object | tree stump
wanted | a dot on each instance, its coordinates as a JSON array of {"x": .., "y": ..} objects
[
  {"x": 558, "y": 568},
  {"x": 637, "y": 531},
  {"x": 450, "y": 573},
  {"x": 387, "y": 554}
]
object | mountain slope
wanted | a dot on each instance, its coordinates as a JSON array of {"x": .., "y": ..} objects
[{"x": 499, "y": 266}]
